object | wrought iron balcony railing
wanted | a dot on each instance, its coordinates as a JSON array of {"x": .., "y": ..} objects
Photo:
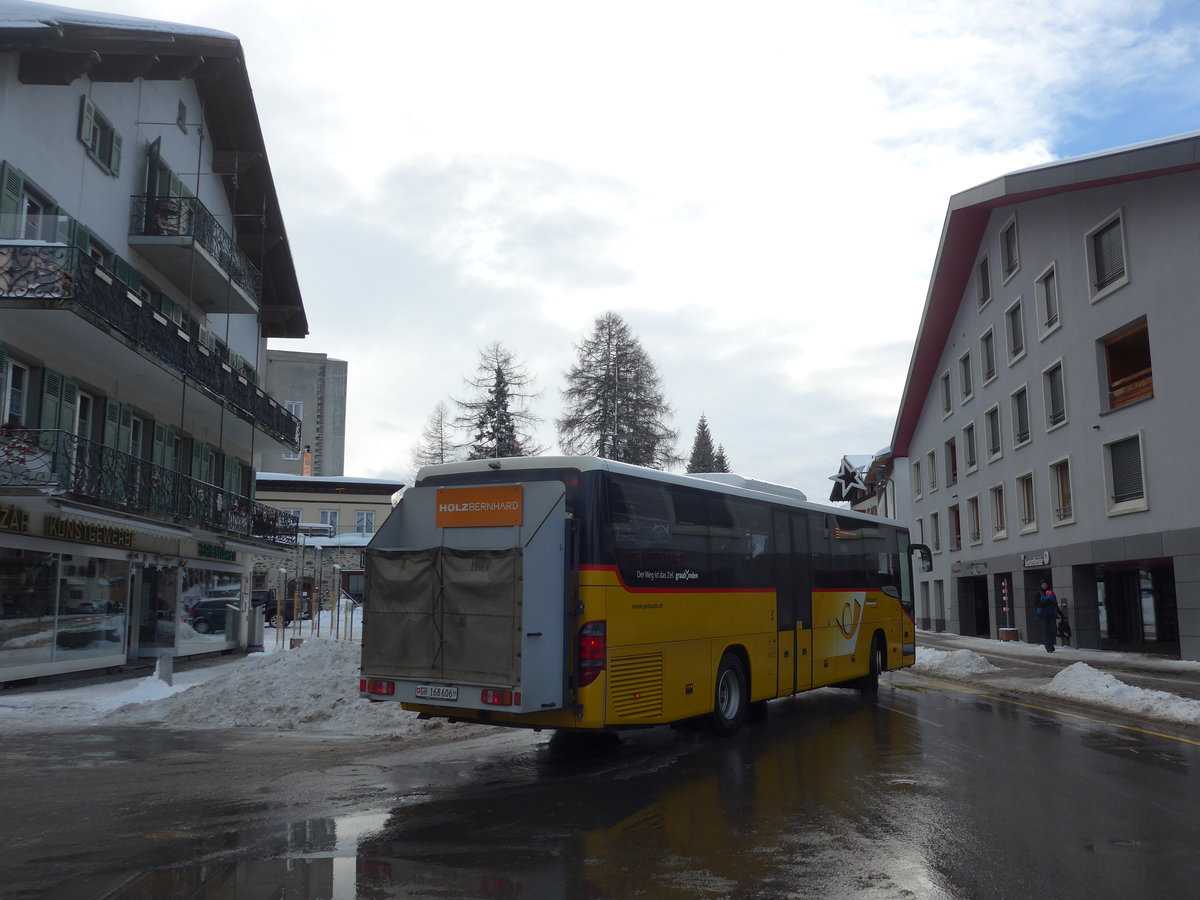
[
  {"x": 154, "y": 216},
  {"x": 69, "y": 464},
  {"x": 55, "y": 272}
]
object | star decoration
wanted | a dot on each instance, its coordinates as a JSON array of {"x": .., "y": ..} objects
[{"x": 848, "y": 478}]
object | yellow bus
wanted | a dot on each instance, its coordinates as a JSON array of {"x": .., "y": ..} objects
[{"x": 582, "y": 593}]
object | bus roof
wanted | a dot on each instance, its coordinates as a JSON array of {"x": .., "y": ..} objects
[{"x": 724, "y": 483}]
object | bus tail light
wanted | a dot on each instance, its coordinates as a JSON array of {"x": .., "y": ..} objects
[
  {"x": 593, "y": 649},
  {"x": 376, "y": 686},
  {"x": 493, "y": 697}
]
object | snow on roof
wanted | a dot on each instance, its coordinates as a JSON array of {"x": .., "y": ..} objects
[{"x": 24, "y": 14}]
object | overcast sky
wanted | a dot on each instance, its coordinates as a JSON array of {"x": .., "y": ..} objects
[{"x": 758, "y": 188}]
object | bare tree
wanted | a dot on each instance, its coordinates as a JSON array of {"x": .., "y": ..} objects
[
  {"x": 614, "y": 402},
  {"x": 437, "y": 440},
  {"x": 497, "y": 415}
]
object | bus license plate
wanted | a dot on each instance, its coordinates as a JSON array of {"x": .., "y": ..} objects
[{"x": 436, "y": 692}]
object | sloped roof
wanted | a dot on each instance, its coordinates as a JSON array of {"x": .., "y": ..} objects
[
  {"x": 57, "y": 45},
  {"x": 967, "y": 218}
]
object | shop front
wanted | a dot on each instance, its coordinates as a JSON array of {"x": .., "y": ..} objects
[{"x": 81, "y": 592}]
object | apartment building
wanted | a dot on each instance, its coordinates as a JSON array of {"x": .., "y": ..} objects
[
  {"x": 1048, "y": 416},
  {"x": 143, "y": 265},
  {"x": 312, "y": 387}
]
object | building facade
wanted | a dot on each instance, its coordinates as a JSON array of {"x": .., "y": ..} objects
[
  {"x": 1048, "y": 417},
  {"x": 312, "y": 387},
  {"x": 143, "y": 265},
  {"x": 337, "y": 516}
]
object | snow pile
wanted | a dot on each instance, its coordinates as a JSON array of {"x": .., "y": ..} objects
[
  {"x": 313, "y": 688},
  {"x": 951, "y": 662},
  {"x": 1079, "y": 681}
]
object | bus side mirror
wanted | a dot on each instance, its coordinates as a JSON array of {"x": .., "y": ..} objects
[{"x": 926, "y": 556}]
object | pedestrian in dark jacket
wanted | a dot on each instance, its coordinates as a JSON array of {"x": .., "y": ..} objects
[{"x": 1047, "y": 610}]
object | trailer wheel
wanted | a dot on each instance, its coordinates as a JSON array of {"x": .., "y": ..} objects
[{"x": 732, "y": 696}]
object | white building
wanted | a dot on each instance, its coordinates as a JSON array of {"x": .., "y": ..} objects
[
  {"x": 1049, "y": 416},
  {"x": 143, "y": 264}
]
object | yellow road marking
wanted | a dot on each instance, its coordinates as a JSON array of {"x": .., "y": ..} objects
[{"x": 987, "y": 695}]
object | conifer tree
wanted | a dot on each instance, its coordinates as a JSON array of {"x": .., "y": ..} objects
[
  {"x": 703, "y": 458},
  {"x": 613, "y": 400},
  {"x": 721, "y": 462},
  {"x": 497, "y": 416}
]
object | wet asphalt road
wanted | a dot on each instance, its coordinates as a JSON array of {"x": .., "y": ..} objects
[{"x": 932, "y": 790}]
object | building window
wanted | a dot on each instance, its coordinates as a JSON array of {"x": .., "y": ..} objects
[
  {"x": 1127, "y": 361},
  {"x": 97, "y": 134},
  {"x": 999, "y": 521},
  {"x": 1009, "y": 256},
  {"x": 1055, "y": 395},
  {"x": 931, "y": 464},
  {"x": 951, "y": 454},
  {"x": 920, "y": 531},
  {"x": 992, "y": 426},
  {"x": 969, "y": 453},
  {"x": 974, "y": 535},
  {"x": 1106, "y": 257},
  {"x": 294, "y": 513},
  {"x": 1020, "y": 416},
  {"x": 1015, "y": 330},
  {"x": 918, "y": 485},
  {"x": 983, "y": 278},
  {"x": 955, "y": 526},
  {"x": 330, "y": 517},
  {"x": 1060, "y": 486},
  {"x": 296, "y": 408},
  {"x": 364, "y": 521},
  {"x": 1125, "y": 475},
  {"x": 946, "y": 402},
  {"x": 1025, "y": 502},
  {"x": 1046, "y": 291},
  {"x": 987, "y": 355},
  {"x": 16, "y": 393},
  {"x": 935, "y": 533},
  {"x": 966, "y": 380}
]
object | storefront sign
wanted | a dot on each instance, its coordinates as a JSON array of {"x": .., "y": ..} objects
[
  {"x": 479, "y": 507},
  {"x": 13, "y": 518},
  {"x": 88, "y": 532},
  {"x": 1035, "y": 560},
  {"x": 216, "y": 551}
]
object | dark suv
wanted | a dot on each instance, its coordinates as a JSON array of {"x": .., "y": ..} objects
[
  {"x": 211, "y": 615},
  {"x": 279, "y": 615}
]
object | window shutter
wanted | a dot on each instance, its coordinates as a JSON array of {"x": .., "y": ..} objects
[
  {"x": 112, "y": 424},
  {"x": 12, "y": 189},
  {"x": 51, "y": 399},
  {"x": 114, "y": 164},
  {"x": 1109, "y": 254},
  {"x": 1126, "y": 460},
  {"x": 70, "y": 402},
  {"x": 87, "y": 121}
]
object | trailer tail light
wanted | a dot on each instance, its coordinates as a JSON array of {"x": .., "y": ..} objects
[
  {"x": 491, "y": 697},
  {"x": 376, "y": 686},
  {"x": 593, "y": 648}
]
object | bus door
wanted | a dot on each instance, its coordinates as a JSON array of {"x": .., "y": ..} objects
[{"x": 793, "y": 586}]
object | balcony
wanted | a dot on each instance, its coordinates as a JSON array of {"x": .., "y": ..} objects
[
  {"x": 66, "y": 464},
  {"x": 52, "y": 272},
  {"x": 184, "y": 241}
]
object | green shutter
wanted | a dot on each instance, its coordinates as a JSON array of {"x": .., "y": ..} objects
[
  {"x": 87, "y": 121},
  {"x": 70, "y": 404},
  {"x": 112, "y": 423},
  {"x": 12, "y": 189},
  {"x": 125, "y": 430},
  {"x": 114, "y": 164},
  {"x": 79, "y": 236},
  {"x": 51, "y": 399}
]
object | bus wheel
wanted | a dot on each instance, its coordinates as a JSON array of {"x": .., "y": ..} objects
[
  {"x": 869, "y": 684},
  {"x": 732, "y": 696}
]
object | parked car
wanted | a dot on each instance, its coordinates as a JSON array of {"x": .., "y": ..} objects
[
  {"x": 210, "y": 616},
  {"x": 280, "y": 615}
]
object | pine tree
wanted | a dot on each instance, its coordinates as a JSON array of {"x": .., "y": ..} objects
[
  {"x": 497, "y": 417},
  {"x": 703, "y": 458},
  {"x": 614, "y": 403},
  {"x": 721, "y": 462},
  {"x": 437, "y": 440}
]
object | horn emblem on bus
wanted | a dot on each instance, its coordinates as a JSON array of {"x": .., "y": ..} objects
[{"x": 848, "y": 621}]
